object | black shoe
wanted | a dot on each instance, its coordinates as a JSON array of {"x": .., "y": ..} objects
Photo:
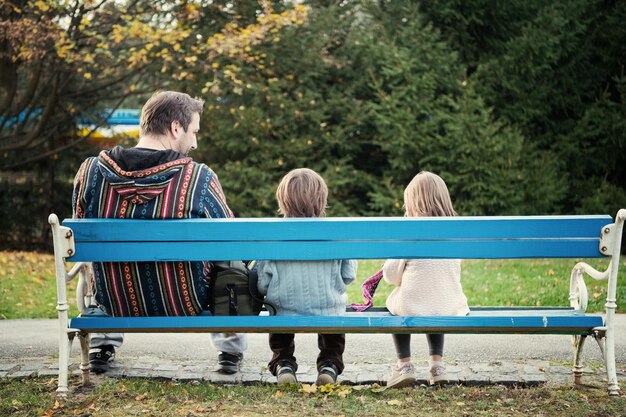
[
  {"x": 327, "y": 374},
  {"x": 228, "y": 363},
  {"x": 285, "y": 373},
  {"x": 100, "y": 357}
]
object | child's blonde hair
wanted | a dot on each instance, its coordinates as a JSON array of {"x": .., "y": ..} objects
[
  {"x": 302, "y": 193},
  {"x": 427, "y": 196}
]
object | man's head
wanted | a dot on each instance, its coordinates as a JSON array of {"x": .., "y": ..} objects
[{"x": 174, "y": 116}]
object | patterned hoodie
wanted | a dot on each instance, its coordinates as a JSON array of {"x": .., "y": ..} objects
[{"x": 175, "y": 187}]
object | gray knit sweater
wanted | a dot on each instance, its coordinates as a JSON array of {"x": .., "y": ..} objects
[{"x": 316, "y": 288}]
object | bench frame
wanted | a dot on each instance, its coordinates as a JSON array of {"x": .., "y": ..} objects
[{"x": 83, "y": 240}]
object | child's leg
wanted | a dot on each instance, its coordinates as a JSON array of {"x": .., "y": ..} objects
[
  {"x": 403, "y": 346},
  {"x": 437, "y": 368},
  {"x": 403, "y": 372},
  {"x": 331, "y": 350},
  {"x": 283, "y": 347},
  {"x": 435, "y": 346}
]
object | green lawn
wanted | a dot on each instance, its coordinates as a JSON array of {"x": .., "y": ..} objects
[
  {"x": 27, "y": 285},
  {"x": 116, "y": 398}
]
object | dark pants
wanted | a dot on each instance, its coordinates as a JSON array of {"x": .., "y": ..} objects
[
  {"x": 403, "y": 344},
  {"x": 331, "y": 350}
]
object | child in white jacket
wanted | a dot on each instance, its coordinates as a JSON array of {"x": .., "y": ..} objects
[{"x": 424, "y": 287}]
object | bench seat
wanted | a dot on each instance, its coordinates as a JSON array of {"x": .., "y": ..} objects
[{"x": 494, "y": 320}]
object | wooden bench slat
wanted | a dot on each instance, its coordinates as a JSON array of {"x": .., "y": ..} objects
[
  {"x": 337, "y": 228},
  {"x": 561, "y": 324},
  {"x": 317, "y": 250}
]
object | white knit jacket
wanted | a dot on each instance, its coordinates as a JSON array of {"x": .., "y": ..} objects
[{"x": 425, "y": 287}]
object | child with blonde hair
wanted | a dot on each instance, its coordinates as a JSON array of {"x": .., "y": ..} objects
[
  {"x": 305, "y": 287},
  {"x": 424, "y": 287}
]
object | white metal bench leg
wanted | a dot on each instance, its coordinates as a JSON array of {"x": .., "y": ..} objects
[
  {"x": 577, "y": 369},
  {"x": 609, "y": 357},
  {"x": 84, "y": 363},
  {"x": 63, "y": 247},
  {"x": 613, "y": 240},
  {"x": 65, "y": 346}
]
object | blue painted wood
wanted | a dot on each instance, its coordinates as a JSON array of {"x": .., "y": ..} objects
[
  {"x": 561, "y": 324},
  {"x": 337, "y": 238},
  {"x": 468, "y": 249},
  {"x": 364, "y": 228}
]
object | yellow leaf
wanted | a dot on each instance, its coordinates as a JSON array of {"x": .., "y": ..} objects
[
  {"x": 87, "y": 75},
  {"x": 308, "y": 389},
  {"x": 41, "y": 5},
  {"x": 394, "y": 402}
]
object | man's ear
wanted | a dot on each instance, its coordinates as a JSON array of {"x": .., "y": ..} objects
[{"x": 175, "y": 128}]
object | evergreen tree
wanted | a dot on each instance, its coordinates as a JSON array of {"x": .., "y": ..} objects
[
  {"x": 368, "y": 95},
  {"x": 555, "y": 72}
]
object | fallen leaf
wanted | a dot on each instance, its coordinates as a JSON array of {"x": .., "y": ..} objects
[
  {"x": 343, "y": 393},
  {"x": 141, "y": 397},
  {"x": 394, "y": 402},
  {"x": 308, "y": 389}
]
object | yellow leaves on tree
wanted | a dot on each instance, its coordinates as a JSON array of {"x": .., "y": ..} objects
[
  {"x": 237, "y": 42},
  {"x": 41, "y": 5}
]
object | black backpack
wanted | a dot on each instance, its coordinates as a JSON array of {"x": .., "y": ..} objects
[{"x": 233, "y": 290}]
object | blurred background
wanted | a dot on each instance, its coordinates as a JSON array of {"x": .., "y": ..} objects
[{"x": 519, "y": 105}]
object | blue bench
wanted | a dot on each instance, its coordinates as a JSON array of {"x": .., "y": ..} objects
[{"x": 88, "y": 240}]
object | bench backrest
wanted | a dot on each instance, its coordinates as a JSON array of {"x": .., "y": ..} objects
[{"x": 337, "y": 238}]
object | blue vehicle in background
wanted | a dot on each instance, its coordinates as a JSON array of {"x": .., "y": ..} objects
[{"x": 122, "y": 123}]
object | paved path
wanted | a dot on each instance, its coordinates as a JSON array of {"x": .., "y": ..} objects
[{"x": 29, "y": 348}]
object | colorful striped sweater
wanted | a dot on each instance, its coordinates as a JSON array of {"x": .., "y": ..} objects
[{"x": 178, "y": 188}]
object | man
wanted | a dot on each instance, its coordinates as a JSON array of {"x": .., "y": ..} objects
[{"x": 154, "y": 180}]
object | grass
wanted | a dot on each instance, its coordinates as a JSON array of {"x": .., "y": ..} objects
[
  {"x": 139, "y": 397},
  {"x": 27, "y": 284}
]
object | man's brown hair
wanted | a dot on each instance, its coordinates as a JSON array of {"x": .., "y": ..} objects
[{"x": 165, "y": 107}]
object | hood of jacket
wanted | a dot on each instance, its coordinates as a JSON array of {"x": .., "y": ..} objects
[{"x": 139, "y": 175}]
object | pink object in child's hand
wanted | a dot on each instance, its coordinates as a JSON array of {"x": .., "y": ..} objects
[{"x": 368, "y": 289}]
